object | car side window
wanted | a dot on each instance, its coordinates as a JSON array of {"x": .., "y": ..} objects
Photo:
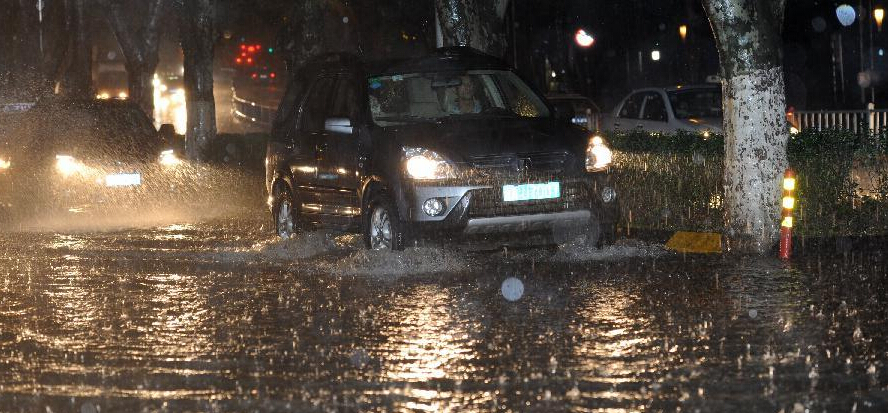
[
  {"x": 632, "y": 107},
  {"x": 345, "y": 100},
  {"x": 654, "y": 108},
  {"x": 316, "y": 106}
]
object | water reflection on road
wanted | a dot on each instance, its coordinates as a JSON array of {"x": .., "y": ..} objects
[{"x": 218, "y": 316}]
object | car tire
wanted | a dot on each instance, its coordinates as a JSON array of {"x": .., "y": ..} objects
[
  {"x": 284, "y": 214},
  {"x": 608, "y": 234},
  {"x": 383, "y": 229},
  {"x": 593, "y": 235}
]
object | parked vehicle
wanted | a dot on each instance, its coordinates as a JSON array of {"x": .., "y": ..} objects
[
  {"x": 581, "y": 110},
  {"x": 669, "y": 110},
  {"x": 452, "y": 144},
  {"x": 68, "y": 153}
]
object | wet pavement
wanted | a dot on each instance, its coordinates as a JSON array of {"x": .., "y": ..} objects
[{"x": 214, "y": 314}]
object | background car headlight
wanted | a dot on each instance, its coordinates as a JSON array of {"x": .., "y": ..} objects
[
  {"x": 4, "y": 163},
  {"x": 67, "y": 165},
  {"x": 598, "y": 155},
  {"x": 169, "y": 158},
  {"x": 425, "y": 164}
]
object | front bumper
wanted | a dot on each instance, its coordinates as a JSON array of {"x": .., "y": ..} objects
[
  {"x": 45, "y": 187},
  {"x": 480, "y": 209}
]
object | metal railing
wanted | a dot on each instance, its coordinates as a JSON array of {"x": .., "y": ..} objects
[
  {"x": 870, "y": 120},
  {"x": 251, "y": 112}
]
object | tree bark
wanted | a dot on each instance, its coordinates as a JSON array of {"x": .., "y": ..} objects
[
  {"x": 747, "y": 35},
  {"x": 475, "y": 23},
  {"x": 198, "y": 35},
  {"x": 139, "y": 43}
]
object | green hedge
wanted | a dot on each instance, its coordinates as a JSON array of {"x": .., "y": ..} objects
[{"x": 674, "y": 182}]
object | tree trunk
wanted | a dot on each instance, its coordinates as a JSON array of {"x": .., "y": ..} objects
[
  {"x": 78, "y": 77},
  {"x": 26, "y": 51},
  {"x": 474, "y": 23},
  {"x": 139, "y": 44},
  {"x": 747, "y": 34},
  {"x": 197, "y": 31}
]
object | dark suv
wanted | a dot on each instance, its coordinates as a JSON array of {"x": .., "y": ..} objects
[{"x": 454, "y": 143}]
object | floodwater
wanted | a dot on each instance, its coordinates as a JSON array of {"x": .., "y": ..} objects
[{"x": 215, "y": 314}]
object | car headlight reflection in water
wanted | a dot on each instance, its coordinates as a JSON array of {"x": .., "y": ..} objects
[
  {"x": 425, "y": 164},
  {"x": 598, "y": 155},
  {"x": 67, "y": 165}
]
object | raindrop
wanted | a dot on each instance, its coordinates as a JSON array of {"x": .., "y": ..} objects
[
  {"x": 573, "y": 393},
  {"x": 819, "y": 24},
  {"x": 345, "y": 19},
  {"x": 88, "y": 408},
  {"x": 359, "y": 358},
  {"x": 512, "y": 289},
  {"x": 753, "y": 313}
]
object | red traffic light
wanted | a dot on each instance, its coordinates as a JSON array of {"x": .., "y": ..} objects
[
  {"x": 254, "y": 75},
  {"x": 272, "y": 75}
]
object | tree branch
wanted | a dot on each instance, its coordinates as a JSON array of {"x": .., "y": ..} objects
[
  {"x": 155, "y": 10},
  {"x": 128, "y": 44}
]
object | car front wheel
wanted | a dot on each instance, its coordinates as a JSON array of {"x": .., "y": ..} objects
[
  {"x": 284, "y": 215},
  {"x": 383, "y": 230}
]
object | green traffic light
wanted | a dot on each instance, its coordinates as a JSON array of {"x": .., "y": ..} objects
[{"x": 270, "y": 50}]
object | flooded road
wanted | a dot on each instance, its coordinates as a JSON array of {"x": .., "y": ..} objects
[{"x": 215, "y": 314}]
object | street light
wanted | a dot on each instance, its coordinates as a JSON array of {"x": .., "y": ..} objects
[
  {"x": 583, "y": 39},
  {"x": 846, "y": 15},
  {"x": 683, "y": 31},
  {"x": 879, "y": 14}
]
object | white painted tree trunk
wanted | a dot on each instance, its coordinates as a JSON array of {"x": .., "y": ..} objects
[
  {"x": 474, "y": 23},
  {"x": 755, "y": 157},
  {"x": 747, "y": 34}
]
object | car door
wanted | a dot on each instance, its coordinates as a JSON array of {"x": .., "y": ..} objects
[
  {"x": 654, "y": 118},
  {"x": 628, "y": 117},
  {"x": 310, "y": 137},
  {"x": 338, "y": 154}
]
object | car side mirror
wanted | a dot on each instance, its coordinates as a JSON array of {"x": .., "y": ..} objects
[{"x": 338, "y": 125}]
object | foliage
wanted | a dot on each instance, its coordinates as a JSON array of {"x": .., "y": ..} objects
[{"x": 675, "y": 181}]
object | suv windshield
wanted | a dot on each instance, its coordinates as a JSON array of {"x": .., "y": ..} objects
[
  {"x": 421, "y": 97},
  {"x": 696, "y": 103}
]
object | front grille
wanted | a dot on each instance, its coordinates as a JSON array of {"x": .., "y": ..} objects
[
  {"x": 529, "y": 162},
  {"x": 488, "y": 202}
]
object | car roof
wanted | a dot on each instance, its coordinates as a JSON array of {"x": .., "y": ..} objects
[
  {"x": 447, "y": 59},
  {"x": 67, "y": 103},
  {"x": 566, "y": 96},
  {"x": 677, "y": 88}
]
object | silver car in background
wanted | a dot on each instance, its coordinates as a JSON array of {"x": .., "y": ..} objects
[{"x": 695, "y": 109}]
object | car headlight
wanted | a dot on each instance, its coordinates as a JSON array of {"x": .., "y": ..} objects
[
  {"x": 598, "y": 155},
  {"x": 67, "y": 165},
  {"x": 169, "y": 158},
  {"x": 425, "y": 164},
  {"x": 4, "y": 164}
]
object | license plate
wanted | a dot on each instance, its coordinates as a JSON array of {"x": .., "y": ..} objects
[
  {"x": 528, "y": 192},
  {"x": 123, "y": 180}
]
